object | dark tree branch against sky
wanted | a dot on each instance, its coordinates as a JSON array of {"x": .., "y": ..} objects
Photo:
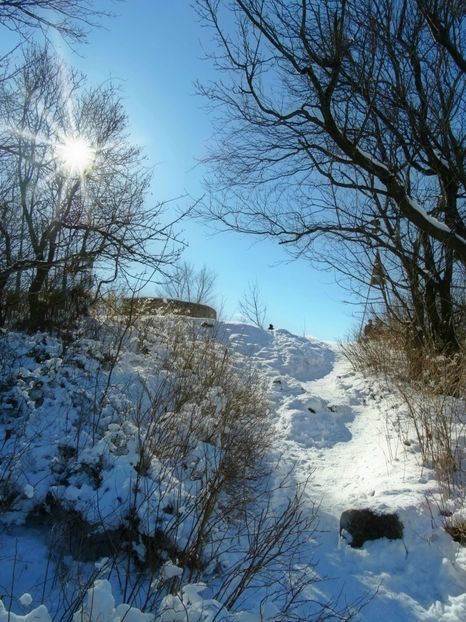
[
  {"x": 345, "y": 120},
  {"x": 71, "y": 18},
  {"x": 73, "y": 189},
  {"x": 355, "y": 94},
  {"x": 341, "y": 198}
]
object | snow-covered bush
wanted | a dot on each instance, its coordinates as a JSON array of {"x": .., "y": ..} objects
[
  {"x": 204, "y": 423},
  {"x": 99, "y": 606},
  {"x": 143, "y": 440}
]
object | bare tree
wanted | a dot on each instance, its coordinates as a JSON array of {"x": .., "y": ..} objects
[
  {"x": 251, "y": 306},
  {"x": 191, "y": 284},
  {"x": 402, "y": 273},
  {"x": 344, "y": 125},
  {"x": 72, "y": 188},
  {"x": 71, "y": 18}
]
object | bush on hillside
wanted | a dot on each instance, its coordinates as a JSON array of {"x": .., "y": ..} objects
[
  {"x": 431, "y": 384},
  {"x": 158, "y": 448}
]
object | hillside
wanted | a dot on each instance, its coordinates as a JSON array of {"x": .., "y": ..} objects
[{"x": 105, "y": 472}]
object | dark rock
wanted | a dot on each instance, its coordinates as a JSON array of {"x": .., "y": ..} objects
[{"x": 363, "y": 525}]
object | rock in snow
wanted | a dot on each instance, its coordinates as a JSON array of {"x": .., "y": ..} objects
[{"x": 363, "y": 525}]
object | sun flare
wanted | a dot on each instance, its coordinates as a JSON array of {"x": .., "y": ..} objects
[{"x": 76, "y": 155}]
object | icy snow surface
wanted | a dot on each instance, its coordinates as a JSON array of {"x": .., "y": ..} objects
[{"x": 336, "y": 428}]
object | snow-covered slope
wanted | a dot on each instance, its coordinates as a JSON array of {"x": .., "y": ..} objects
[
  {"x": 341, "y": 427},
  {"x": 334, "y": 430}
]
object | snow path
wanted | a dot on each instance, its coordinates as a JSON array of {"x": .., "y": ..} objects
[
  {"x": 360, "y": 460},
  {"x": 333, "y": 425}
]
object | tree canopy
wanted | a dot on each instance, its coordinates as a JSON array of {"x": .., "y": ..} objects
[
  {"x": 72, "y": 186},
  {"x": 344, "y": 120}
]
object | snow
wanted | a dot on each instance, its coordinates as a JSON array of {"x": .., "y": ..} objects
[
  {"x": 28, "y": 491},
  {"x": 335, "y": 430},
  {"x": 336, "y": 427},
  {"x": 170, "y": 570},
  {"x": 36, "y": 615},
  {"x": 99, "y": 606},
  {"x": 25, "y": 599}
]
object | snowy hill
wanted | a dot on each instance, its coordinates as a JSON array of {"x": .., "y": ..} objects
[{"x": 86, "y": 434}]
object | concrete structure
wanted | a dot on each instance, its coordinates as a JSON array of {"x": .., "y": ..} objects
[{"x": 169, "y": 306}]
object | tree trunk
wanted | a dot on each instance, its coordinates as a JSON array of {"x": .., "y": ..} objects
[
  {"x": 3, "y": 302},
  {"x": 37, "y": 307}
]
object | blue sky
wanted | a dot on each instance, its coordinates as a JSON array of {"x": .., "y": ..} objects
[{"x": 153, "y": 49}]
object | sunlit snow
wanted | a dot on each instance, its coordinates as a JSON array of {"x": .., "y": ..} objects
[{"x": 333, "y": 427}]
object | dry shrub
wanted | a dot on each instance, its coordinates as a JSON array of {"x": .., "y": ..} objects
[
  {"x": 432, "y": 385},
  {"x": 205, "y": 419},
  {"x": 13, "y": 307},
  {"x": 59, "y": 308},
  {"x": 391, "y": 349},
  {"x": 209, "y": 418},
  {"x": 378, "y": 351},
  {"x": 456, "y": 529}
]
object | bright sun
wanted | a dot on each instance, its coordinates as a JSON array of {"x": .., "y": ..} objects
[{"x": 76, "y": 154}]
